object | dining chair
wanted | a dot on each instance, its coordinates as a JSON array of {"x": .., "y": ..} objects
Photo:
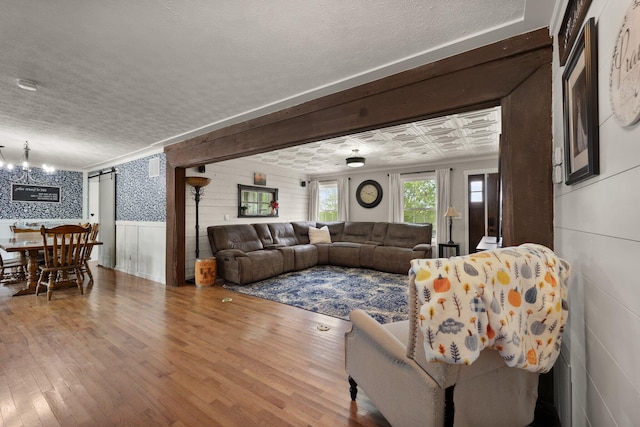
[
  {"x": 13, "y": 270},
  {"x": 25, "y": 233},
  {"x": 93, "y": 236},
  {"x": 64, "y": 253}
]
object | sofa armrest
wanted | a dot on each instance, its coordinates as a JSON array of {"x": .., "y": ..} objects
[
  {"x": 231, "y": 253},
  {"x": 422, "y": 247},
  {"x": 274, "y": 246}
]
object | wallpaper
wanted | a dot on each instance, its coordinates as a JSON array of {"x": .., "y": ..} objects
[
  {"x": 138, "y": 196},
  {"x": 70, "y": 205}
]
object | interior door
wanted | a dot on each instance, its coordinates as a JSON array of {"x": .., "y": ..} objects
[
  {"x": 476, "y": 203},
  {"x": 94, "y": 211},
  {"x": 107, "y": 214},
  {"x": 493, "y": 201},
  {"x": 483, "y": 202}
]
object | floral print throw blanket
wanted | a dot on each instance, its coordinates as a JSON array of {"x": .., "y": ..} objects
[{"x": 512, "y": 300}]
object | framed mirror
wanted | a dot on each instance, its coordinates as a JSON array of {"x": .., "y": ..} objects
[{"x": 256, "y": 201}]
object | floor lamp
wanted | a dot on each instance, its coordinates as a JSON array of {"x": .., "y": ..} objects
[
  {"x": 197, "y": 182},
  {"x": 451, "y": 212}
]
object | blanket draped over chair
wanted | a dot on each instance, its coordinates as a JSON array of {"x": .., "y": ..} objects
[{"x": 512, "y": 300}]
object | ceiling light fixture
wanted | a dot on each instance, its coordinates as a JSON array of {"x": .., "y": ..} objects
[
  {"x": 27, "y": 85},
  {"x": 25, "y": 176},
  {"x": 355, "y": 161}
]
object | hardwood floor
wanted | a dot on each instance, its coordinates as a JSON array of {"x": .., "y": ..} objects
[{"x": 132, "y": 352}]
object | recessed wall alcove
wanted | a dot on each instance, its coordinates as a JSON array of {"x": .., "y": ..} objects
[{"x": 514, "y": 73}]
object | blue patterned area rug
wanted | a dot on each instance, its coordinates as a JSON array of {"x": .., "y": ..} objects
[{"x": 335, "y": 291}]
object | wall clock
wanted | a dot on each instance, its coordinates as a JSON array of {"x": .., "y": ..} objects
[{"x": 369, "y": 194}]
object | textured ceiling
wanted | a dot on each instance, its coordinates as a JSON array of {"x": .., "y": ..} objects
[
  {"x": 455, "y": 137},
  {"x": 118, "y": 77}
]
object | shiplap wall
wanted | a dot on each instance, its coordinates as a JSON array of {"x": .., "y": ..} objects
[
  {"x": 221, "y": 199},
  {"x": 597, "y": 376}
]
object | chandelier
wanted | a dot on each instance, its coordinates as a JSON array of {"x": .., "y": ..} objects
[{"x": 23, "y": 172}]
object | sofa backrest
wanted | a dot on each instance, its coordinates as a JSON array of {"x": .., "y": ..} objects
[
  {"x": 379, "y": 231},
  {"x": 407, "y": 235},
  {"x": 301, "y": 228},
  {"x": 335, "y": 229},
  {"x": 237, "y": 236},
  {"x": 357, "y": 232},
  {"x": 283, "y": 233},
  {"x": 264, "y": 233}
]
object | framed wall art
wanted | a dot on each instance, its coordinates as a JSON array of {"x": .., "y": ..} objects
[
  {"x": 580, "y": 96},
  {"x": 571, "y": 21},
  {"x": 259, "y": 178}
]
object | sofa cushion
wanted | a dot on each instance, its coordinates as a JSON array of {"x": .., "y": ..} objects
[
  {"x": 335, "y": 229},
  {"x": 283, "y": 233},
  {"x": 357, "y": 232},
  {"x": 264, "y": 234},
  {"x": 394, "y": 259},
  {"x": 379, "y": 232},
  {"x": 305, "y": 256},
  {"x": 237, "y": 236},
  {"x": 407, "y": 235},
  {"x": 346, "y": 254},
  {"x": 319, "y": 235},
  {"x": 301, "y": 228}
]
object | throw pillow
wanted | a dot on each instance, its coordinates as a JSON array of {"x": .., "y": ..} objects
[{"x": 319, "y": 235}]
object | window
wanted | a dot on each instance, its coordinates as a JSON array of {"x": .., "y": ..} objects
[
  {"x": 255, "y": 201},
  {"x": 328, "y": 201},
  {"x": 476, "y": 192},
  {"x": 419, "y": 200}
]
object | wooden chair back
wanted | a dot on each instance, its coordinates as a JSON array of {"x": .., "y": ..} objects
[
  {"x": 24, "y": 233},
  {"x": 65, "y": 246}
]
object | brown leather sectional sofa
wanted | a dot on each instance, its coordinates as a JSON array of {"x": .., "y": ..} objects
[{"x": 247, "y": 253}]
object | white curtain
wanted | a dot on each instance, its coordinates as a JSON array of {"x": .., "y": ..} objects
[
  {"x": 443, "y": 191},
  {"x": 396, "y": 199},
  {"x": 343, "y": 199},
  {"x": 313, "y": 200}
]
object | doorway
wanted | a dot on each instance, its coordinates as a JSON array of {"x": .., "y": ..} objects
[
  {"x": 102, "y": 210},
  {"x": 482, "y": 189}
]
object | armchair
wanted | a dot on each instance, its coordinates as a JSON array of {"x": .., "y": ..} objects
[{"x": 410, "y": 383}]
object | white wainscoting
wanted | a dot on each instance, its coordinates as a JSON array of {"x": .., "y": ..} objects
[{"x": 140, "y": 249}]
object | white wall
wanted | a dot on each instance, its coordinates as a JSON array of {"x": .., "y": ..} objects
[
  {"x": 381, "y": 212},
  {"x": 598, "y": 376},
  {"x": 220, "y": 200}
]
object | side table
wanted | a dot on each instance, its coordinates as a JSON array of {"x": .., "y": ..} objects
[{"x": 441, "y": 247}]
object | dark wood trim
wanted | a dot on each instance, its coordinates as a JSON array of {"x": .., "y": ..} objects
[
  {"x": 478, "y": 78},
  {"x": 175, "y": 240},
  {"x": 525, "y": 162}
]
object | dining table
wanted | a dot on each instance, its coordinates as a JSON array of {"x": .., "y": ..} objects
[{"x": 29, "y": 247}]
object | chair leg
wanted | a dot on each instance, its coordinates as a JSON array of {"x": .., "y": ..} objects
[
  {"x": 79, "y": 280},
  {"x": 353, "y": 389},
  {"x": 86, "y": 267},
  {"x": 52, "y": 279},
  {"x": 38, "y": 283}
]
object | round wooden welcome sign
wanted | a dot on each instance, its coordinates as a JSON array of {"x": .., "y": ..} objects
[{"x": 624, "y": 79}]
